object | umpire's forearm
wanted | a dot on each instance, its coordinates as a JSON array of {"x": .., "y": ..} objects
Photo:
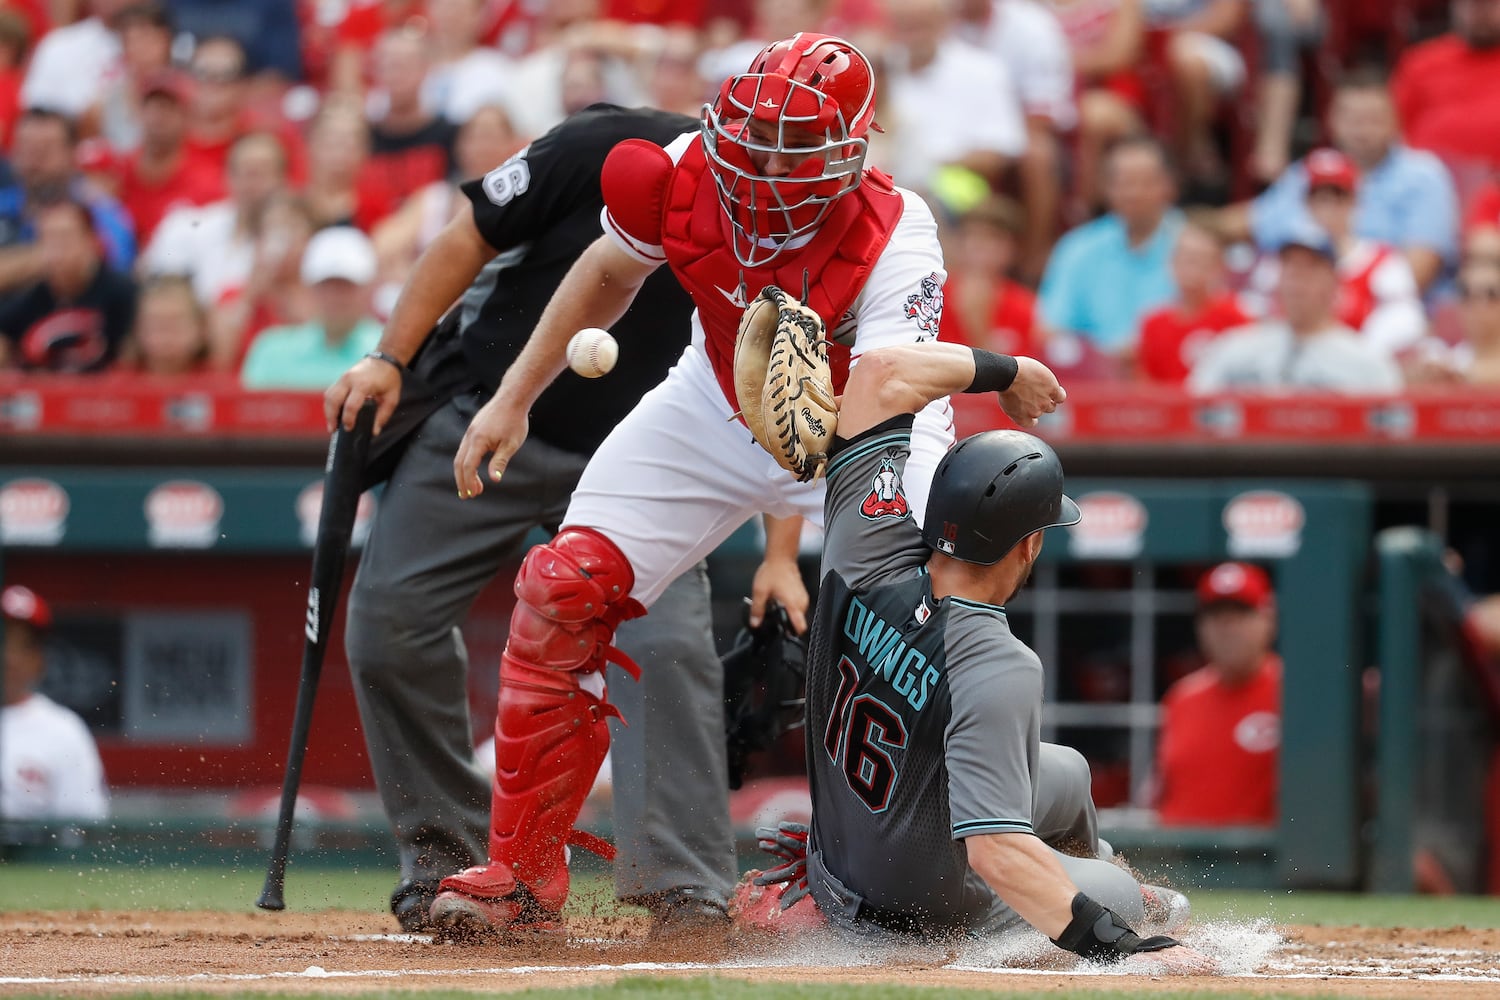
[{"x": 441, "y": 274}]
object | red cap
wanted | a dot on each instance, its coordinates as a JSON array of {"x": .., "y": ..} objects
[
  {"x": 1330, "y": 168},
  {"x": 1235, "y": 583},
  {"x": 21, "y": 604}
]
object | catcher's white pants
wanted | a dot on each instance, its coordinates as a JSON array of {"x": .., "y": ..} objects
[{"x": 677, "y": 476}]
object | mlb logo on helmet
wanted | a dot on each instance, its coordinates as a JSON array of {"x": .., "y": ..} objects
[
  {"x": 310, "y": 506},
  {"x": 183, "y": 514},
  {"x": 1113, "y": 526},
  {"x": 33, "y": 512},
  {"x": 1264, "y": 524}
]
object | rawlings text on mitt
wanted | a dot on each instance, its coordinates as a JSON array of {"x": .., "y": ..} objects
[{"x": 782, "y": 382}]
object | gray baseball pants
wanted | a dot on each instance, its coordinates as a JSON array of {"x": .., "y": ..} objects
[{"x": 428, "y": 557}]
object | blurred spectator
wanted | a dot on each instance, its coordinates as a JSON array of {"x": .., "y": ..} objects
[
  {"x": 1475, "y": 361},
  {"x": 410, "y": 146},
  {"x": 339, "y": 267},
  {"x": 170, "y": 337},
  {"x": 273, "y": 294},
  {"x": 1378, "y": 294},
  {"x": 1028, "y": 39},
  {"x": 681, "y": 13},
  {"x": 1106, "y": 275},
  {"x": 771, "y": 19},
  {"x": 1106, "y": 39},
  {"x": 464, "y": 75},
  {"x": 952, "y": 107},
  {"x": 1445, "y": 89},
  {"x": 338, "y": 148},
  {"x": 983, "y": 306},
  {"x": 1221, "y": 725},
  {"x": 49, "y": 764},
  {"x": 354, "y": 38},
  {"x": 673, "y": 80},
  {"x": 267, "y": 30},
  {"x": 1286, "y": 27},
  {"x": 1484, "y": 216},
  {"x": 1204, "y": 67},
  {"x": 160, "y": 176},
  {"x": 146, "y": 32},
  {"x": 75, "y": 317},
  {"x": 15, "y": 42},
  {"x": 71, "y": 63},
  {"x": 579, "y": 60},
  {"x": 1173, "y": 337},
  {"x": 216, "y": 245},
  {"x": 1406, "y": 197},
  {"x": 222, "y": 112},
  {"x": 485, "y": 141},
  {"x": 1307, "y": 347},
  {"x": 43, "y": 159}
]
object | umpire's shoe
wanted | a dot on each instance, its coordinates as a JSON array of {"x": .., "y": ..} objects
[
  {"x": 687, "y": 911},
  {"x": 411, "y": 902}
]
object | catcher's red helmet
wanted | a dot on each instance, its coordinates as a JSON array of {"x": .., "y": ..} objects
[{"x": 819, "y": 84}]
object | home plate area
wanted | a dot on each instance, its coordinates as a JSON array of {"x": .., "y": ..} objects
[{"x": 131, "y": 952}]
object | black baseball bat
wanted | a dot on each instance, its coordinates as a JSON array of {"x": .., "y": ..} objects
[{"x": 347, "y": 452}]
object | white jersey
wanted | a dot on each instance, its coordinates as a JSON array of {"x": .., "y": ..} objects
[
  {"x": 679, "y": 474},
  {"x": 1268, "y": 356},
  {"x": 1029, "y": 39},
  {"x": 49, "y": 765}
]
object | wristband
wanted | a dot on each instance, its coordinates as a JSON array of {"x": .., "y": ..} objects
[
  {"x": 390, "y": 360},
  {"x": 1099, "y": 935},
  {"x": 992, "y": 372}
]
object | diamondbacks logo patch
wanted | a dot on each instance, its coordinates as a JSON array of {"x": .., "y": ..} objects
[
  {"x": 886, "y": 497},
  {"x": 925, "y": 305}
]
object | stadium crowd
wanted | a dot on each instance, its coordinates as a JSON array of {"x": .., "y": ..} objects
[{"x": 1225, "y": 194}]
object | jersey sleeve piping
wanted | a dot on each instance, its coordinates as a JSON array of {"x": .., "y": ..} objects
[
  {"x": 963, "y": 602},
  {"x": 865, "y": 447},
  {"x": 973, "y": 827},
  {"x": 646, "y": 253}
]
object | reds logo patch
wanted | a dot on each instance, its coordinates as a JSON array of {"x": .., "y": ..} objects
[
  {"x": 886, "y": 498},
  {"x": 926, "y": 304}
]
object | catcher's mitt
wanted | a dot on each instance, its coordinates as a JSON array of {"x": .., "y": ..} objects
[
  {"x": 764, "y": 675},
  {"x": 782, "y": 382}
]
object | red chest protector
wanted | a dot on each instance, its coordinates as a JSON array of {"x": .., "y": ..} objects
[
  {"x": 1357, "y": 297},
  {"x": 696, "y": 239}
]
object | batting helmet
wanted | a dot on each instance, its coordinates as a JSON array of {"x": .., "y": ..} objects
[{"x": 990, "y": 491}]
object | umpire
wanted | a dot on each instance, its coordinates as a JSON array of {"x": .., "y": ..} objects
[{"x": 429, "y": 555}]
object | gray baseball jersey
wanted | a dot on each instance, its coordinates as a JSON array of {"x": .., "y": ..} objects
[{"x": 924, "y": 716}]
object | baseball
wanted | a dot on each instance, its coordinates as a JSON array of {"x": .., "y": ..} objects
[{"x": 592, "y": 352}]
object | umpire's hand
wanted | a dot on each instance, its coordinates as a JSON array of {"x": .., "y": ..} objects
[{"x": 367, "y": 378}]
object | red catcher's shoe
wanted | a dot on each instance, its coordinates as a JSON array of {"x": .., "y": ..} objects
[
  {"x": 757, "y": 908},
  {"x": 484, "y": 902}
]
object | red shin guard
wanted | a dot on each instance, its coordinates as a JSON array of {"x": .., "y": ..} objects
[{"x": 550, "y": 734}]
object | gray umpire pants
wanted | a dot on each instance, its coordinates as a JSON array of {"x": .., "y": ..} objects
[{"x": 428, "y": 557}]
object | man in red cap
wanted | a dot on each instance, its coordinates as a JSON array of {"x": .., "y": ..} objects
[
  {"x": 49, "y": 765},
  {"x": 1221, "y": 725}
]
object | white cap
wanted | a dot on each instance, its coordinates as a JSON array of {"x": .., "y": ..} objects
[{"x": 339, "y": 252}]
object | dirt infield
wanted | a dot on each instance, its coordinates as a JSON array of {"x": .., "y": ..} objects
[{"x": 344, "y": 952}]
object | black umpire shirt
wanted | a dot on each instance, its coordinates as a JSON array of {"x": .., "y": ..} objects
[{"x": 541, "y": 210}]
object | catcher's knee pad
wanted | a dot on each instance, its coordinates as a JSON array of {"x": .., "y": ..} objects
[
  {"x": 551, "y": 734},
  {"x": 550, "y": 738},
  {"x": 571, "y": 594}
]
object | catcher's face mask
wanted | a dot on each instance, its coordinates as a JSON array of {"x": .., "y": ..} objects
[{"x": 785, "y": 141}]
